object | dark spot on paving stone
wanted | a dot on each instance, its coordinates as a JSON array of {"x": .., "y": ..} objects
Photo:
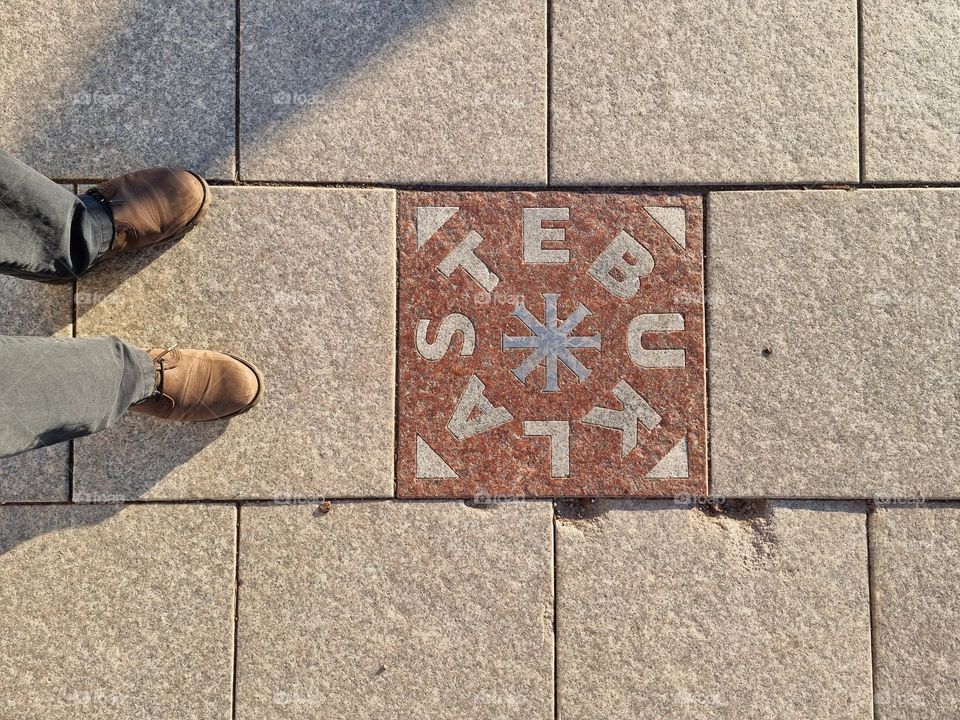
[
  {"x": 754, "y": 515},
  {"x": 480, "y": 504},
  {"x": 737, "y": 509},
  {"x": 580, "y": 510},
  {"x": 323, "y": 508}
]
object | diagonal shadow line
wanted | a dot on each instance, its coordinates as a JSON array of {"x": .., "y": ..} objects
[
  {"x": 19, "y": 527},
  {"x": 354, "y": 36}
]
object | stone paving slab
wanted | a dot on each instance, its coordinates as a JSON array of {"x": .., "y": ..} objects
[
  {"x": 32, "y": 308},
  {"x": 91, "y": 91},
  {"x": 116, "y": 612},
  {"x": 833, "y": 343},
  {"x": 550, "y": 344},
  {"x": 670, "y": 612},
  {"x": 387, "y": 609},
  {"x": 916, "y": 571},
  {"x": 911, "y": 62},
  {"x": 300, "y": 281},
  {"x": 704, "y": 92},
  {"x": 413, "y": 91}
]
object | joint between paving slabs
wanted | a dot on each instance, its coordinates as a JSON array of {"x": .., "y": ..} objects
[
  {"x": 867, "y": 525},
  {"x": 683, "y": 189},
  {"x": 236, "y": 610}
]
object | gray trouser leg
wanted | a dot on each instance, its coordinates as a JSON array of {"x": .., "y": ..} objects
[
  {"x": 47, "y": 232},
  {"x": 53, "y": 389}
]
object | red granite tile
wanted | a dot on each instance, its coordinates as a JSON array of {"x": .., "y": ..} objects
[{"x": 521, "y": 365}]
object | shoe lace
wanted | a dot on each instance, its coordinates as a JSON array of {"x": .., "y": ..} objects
[{"x": 158, "y": 362}]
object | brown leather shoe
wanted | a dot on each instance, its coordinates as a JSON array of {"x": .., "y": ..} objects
[
  {"x": 201, "y": 385},
  {"x": 153, "y": 206}
]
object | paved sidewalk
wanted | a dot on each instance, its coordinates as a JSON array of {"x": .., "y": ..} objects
[{"x": 612, "y": 353}]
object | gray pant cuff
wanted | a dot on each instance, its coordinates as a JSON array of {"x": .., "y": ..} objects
[
  {"x": 98, "y": 225},
  {"x": 149, "y": 370}
]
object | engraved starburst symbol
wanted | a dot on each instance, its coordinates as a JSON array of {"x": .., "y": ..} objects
[{"x": 551, "y": 342}]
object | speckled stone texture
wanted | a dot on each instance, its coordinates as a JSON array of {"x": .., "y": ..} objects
[
  {"x": 834, "y": 343},
  {"x": 116, "y": 612},
  {"x": 31, "y": 308},
  {"x": 491, "y": 286},
  {"x": 916, "y": 571},
  {"x": 303, "y": 283},
  {"x": 671, "y": 612},
  {"x": 396, "y": 610},
  {"x": 94, "y": 90},
  {"x": 911, "y": 98},
  {"x": 715, "y": 92},
  {"x": 410, "y": 91}
]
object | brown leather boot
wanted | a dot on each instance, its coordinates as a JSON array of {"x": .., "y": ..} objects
[
  {"x": 201, "y": 385},
  {"x": 153, "y": 206}
]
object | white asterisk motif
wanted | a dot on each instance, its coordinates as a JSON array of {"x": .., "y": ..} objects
[{"x": 551, "y": 342}]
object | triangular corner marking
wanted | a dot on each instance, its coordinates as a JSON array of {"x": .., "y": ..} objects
[
  {"x": 430, "y": 464},
  {"x": 673, "y": 220},
  {"x": 674, "y": 464},
  {"x": 430, "y": 219}
]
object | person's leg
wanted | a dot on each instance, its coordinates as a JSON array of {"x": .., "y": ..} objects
[
  {"x": 51, "y": 389},
  {"x": 47, "y": 232},
  {"x": 54, "y": 389}
]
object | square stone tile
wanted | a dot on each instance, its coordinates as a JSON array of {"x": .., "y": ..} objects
[
  {"x": 430, "y": 91},
  {"x": 396, "y": 610},
  {"x": 94, "y": 90},
  {"x": 670, "y": 612},
  {"x": 834, "y": 343},
  {"x": 303, "y": 283},
  {"x": 914, "y": 563},
  {"x": 32, "y": 308},
  {"x": 704, "y": 92},
  {"x": 36, "y": 476},
  {"x": 116, "y": 612},
  {"x": 911, "y": 61},
  {"x": 550, "y": 344}
]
